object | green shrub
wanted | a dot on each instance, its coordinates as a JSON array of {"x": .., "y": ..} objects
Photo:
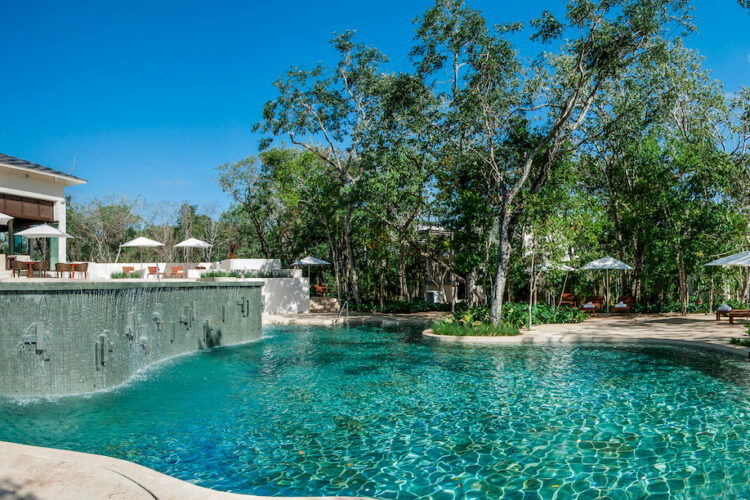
[
  {"x": 460, "y": 329},
  {"x": 122, "y": 276},
  {"x": 398, "y": 306},
  {"x": 279, "y": 273},
  {"x": 670, "y": 307},
  {"x": 517, "y": 314},
  {"x": 739, "y": 341},
  {"x": 216, "y": 274}
]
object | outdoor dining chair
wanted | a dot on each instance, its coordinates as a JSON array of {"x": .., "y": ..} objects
[
  {"x": 64, "y": 267},
  {"x": 41, "y": 267},
  {"x": 81, "y": 267}
]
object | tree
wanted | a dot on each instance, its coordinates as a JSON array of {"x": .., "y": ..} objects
[
  {"x": 493, "y": 93},
  {"x": 336, "y": 106}
]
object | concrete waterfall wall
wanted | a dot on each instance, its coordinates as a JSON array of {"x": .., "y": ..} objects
[{"x": 70, "y": 338}]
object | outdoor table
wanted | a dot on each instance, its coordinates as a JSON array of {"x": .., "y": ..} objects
[{"x": 29, "y": 263}]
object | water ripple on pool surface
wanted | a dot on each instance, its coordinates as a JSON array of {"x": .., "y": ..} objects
[{"x": 317, "y": 411}]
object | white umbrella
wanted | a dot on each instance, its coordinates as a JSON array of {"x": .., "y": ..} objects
[
  {"x": 140, "y": 242},
  {"x": 741, "y": 259},
  {"x": 192, "y": 243},
  {"x": 551, "y": 267},
  {"x": 311, "y": 261},
  {"x": 43, "y": 231},
  {"x": 605, "y": 264},
  {"x": 4, "y": 219}
]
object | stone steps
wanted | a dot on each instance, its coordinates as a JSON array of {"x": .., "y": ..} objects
[{"x": 324, "y": 304}]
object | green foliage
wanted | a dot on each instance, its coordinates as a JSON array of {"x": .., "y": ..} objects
[
  {"x": 275, "y": 273},
  {"x": 516, "y": 314},
  {"x": 458, "y": 329},
  {"x": 399, "y": 306},
  {"x": 122, "y": 276}
]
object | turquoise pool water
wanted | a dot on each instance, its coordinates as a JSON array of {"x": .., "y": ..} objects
[{"x": 357, "y": 411}]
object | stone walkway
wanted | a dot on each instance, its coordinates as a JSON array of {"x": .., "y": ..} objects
[{"x": 31, "y": 473}]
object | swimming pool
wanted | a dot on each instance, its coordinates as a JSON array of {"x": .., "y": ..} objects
[{"x": 372, "y": 412}]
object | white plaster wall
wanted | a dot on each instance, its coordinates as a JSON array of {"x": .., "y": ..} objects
[
  {"x": 59, "y": 215},
  {"x": 21, "y": 183},
  {"x": 250, "y": 264},
  {"x": 285, "y": 295}
]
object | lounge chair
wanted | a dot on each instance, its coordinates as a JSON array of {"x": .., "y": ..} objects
[
  {"x": 321, "y": 290},
  {"x": 738, "y": 313},
  {"x": 724, "y": 310},
  {"x": 594, "y": 303},
  {"x": 154, "y": 271},
  {"x": 177, "y": 272},
  {"x": 569, "y": 299},
  {"x": 127, "y": 270},
  {"x": 624, "y": 303},
  {"x": 63, "y": 267}
]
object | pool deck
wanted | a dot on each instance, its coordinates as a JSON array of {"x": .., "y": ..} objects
[
  {"x": 693, "y": 330},
  {"x": 30, "y": 472}
]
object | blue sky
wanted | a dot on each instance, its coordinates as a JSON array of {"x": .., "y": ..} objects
[{"x": 147, "y": 98}]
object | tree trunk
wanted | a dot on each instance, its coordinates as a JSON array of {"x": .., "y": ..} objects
[
  {"x": 745, "y": 285},
  {"x": 501, "y": 271},
  {"x": 353, "y": 277},
  {"x": 683, "y": 285},
  {"x": 636, "y": 289},
  {"x": 471, "y": 285},
  {"x": 402, "y": 285}
]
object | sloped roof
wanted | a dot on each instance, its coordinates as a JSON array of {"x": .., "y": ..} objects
[{"x": 27, "y": 165}]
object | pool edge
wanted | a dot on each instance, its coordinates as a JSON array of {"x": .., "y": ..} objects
[
  {"x": 546, "y": 339},
  {"x": 51, "y": 473}
]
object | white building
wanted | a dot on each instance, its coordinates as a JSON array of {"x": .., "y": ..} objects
[{"x": 33, "y": 194}]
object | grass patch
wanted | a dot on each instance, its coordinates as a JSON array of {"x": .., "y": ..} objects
[
  {"x": 459, "y": 329},
  {"x": 738, "y": 341}
]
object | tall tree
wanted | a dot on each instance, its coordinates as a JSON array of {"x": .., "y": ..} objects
[
  {"x": 492, "y": 92},
  {"x": 330, "y": 112}
]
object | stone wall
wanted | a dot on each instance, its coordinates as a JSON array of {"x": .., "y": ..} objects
[{"x": 70, "y": 338}]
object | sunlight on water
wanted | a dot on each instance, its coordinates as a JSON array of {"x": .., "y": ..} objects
[{"x": 318, "y": 411}]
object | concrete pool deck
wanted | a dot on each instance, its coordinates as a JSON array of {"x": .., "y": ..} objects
[
  {"x": 29, "y": 472},
  {"x": 693, "y": 330}
]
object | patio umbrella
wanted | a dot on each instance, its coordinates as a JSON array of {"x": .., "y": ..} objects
[
  {"x": 141, "y": 243},
  {"x": 741, "y": 259},
  {"x": 606, "y": 264},
  {"x": 192, "y": 243},
  {"x": 309, "y": 262},
  {"x": 4, "y": 219},
  {"x": 43, "y": 231}
]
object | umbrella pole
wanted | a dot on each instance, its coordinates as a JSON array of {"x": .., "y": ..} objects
[{"x": 607, "y": 291}]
